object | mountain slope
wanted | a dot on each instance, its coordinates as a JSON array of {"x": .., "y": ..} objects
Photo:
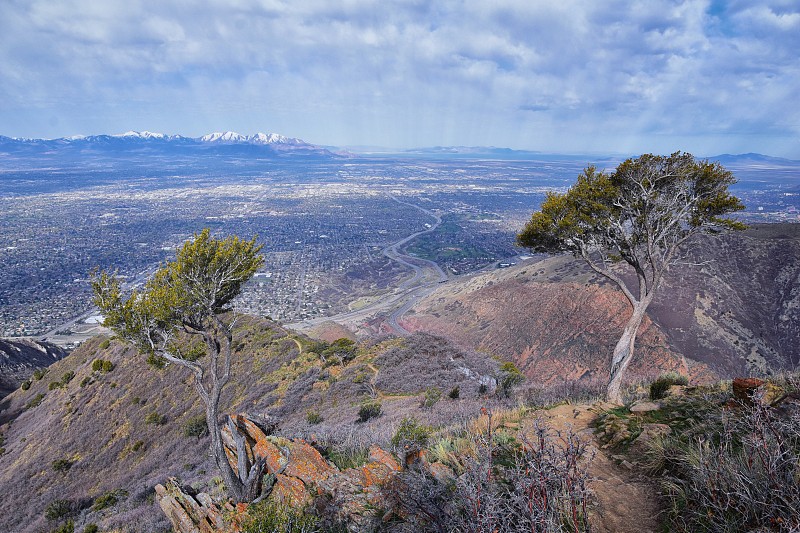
[
  {"x": 79, "y": 433},
  {"x": 733, "y": 309}
]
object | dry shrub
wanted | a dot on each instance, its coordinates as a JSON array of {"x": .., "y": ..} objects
[
  {"x": 506, "y": 485},
  {"x": 740, "y": 472}
]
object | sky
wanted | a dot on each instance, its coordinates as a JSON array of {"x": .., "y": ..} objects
[{"x": 566, "y": 76}]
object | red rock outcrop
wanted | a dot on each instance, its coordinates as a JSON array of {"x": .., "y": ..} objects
[{"x": 301, "y": 475}]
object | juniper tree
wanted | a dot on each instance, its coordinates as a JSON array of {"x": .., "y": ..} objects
[
  {"x": 191, "y": 296},
  {"x": 642, "y": 215}
]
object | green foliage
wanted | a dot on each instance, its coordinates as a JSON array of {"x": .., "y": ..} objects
[
  {"x": 195, "y": 427},
  {"x": 101, "y": 365},
  {"x": 411, "y": 434},
  {"x": 313, "y": 417},
  {"x": 138, "y": 445},
  {"x": 183, "y": 293},
  {"x": 39, "y": 373},
  {"x": 369, "y": 409},
  {"x": 155, "y": 419},
  {"x": 156, "y": 361},
  {"x": 66, "y": 527},
  {"x": 105, "y": 344},
  {"x": 35, "y": 401},
  {"x": 91, "y": 528},
  {"x": 510, "y": 376},
  {"x": 61, "y": 465},
  {"x": 454, "y": 393},
  {"x": 659, "y": 387},
  {"x": 85, "y": 381},
  {"x": 431, "y": 397},
  {"x": 271, "y": 516},
  {"x": 58, "y": 509},
  {"x": 54, "y": 385},
  {"x": 109, "y": 499},
  {"x": 26, "y": 385},
  {"x": 342, "y": 350},
  {"x": 651, "y": 200}
]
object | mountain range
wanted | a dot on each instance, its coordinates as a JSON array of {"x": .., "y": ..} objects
[{"x": 151, "y": 143}]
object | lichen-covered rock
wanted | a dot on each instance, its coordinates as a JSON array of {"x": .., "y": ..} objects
[
  {"x": 190, "y": 513},
  {"x": 300, "y": 475},
  {"x": 746, "y": 390}
]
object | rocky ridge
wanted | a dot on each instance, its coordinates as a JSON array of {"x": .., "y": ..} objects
[{"x": 20, "y": 358}]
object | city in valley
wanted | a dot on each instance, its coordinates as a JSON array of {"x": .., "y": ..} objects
[{"x": 345, "y": 235}]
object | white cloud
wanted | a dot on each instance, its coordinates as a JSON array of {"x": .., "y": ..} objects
[{"x": 567, "y": 75}]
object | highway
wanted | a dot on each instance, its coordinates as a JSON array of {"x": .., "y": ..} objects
[{"x": 426, "y": 275}]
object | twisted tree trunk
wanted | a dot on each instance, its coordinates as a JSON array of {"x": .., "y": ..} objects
[{"x": 623, "y": 351}]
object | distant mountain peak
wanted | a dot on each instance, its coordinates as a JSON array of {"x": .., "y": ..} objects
[
  {"x": 141, "y": 135},
  {"x": 223, "y": 137}
]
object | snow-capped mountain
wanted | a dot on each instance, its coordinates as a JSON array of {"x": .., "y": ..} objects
[
  {"x": 226, "y": 137},
  {"x": 231, "y": 137},
  {"x": 142, "y": 135},
  {"x": 261, "y": 145}
]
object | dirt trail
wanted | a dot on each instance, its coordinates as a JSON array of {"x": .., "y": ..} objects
[{"x": 626, "y": 502}]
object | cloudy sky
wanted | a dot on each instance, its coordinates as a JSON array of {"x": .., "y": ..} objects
[{"x": 561, "y": 76}]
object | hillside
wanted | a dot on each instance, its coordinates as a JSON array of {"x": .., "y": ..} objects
[
  {"x": 20, "y": 358},
  {"x": 732, "y": 308},
  {"x": 78, "y": 434}
]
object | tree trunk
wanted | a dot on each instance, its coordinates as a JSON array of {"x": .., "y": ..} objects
[
  {"x": 623, "y": 351},
  {"x": 233, "y": 484}
]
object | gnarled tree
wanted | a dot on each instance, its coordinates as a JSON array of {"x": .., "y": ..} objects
[
  {"x": 641, "y": 215},
  {"x": 192, "y": 296}
]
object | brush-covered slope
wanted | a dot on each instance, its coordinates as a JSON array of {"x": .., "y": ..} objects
[
  {"x": 86, "y": 429},
  {"x": 732, "y": 307},
  {"x": 21, "y": 357}
]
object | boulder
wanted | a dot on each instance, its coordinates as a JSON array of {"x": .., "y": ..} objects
[
  {"x": 748, "y": 390},
  {"x": 645, "y": 407}
]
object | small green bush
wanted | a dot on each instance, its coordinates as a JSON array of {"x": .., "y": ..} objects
[
  {"x": 155, "y": 418},
  {"x": 138, "y": 445},
  {"x": 90, "y": 528},
  {"x": 109, "y": 499},
  {"x": 156, "y": 361},
  {"x": 105, "y": 344},
  {"x": 659, "y": 388},
  {"x": 26, "y": 385},
  {"x": 313, "y": 417},
  {"x": 66, "y": 527},
  {"x": 454, "y": 393},
  {"x": 510, "y": 376},
  {"x": 39, "y": 373},
  {"x": 35, "y": 401},
  {"x": 67, "y": 377},
  {"x": 85, "y": 381},
  {"x": 369, "y": 409},
  {"x": 431, "y": 397},
  {"x": 195, "y": 427},
  {"x": 271, "y": 516},
  {"x": 54, "y": 385},
  {"x": 58, "y": 509},
  {"x": 411, "y": 434},
  {"x": 61, "y": 465},
  {"x": 101, "y": 365}
]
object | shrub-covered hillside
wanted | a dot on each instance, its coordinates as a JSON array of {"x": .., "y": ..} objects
[{"x": 93, "y": 434}]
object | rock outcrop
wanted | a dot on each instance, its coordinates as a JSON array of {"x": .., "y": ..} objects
[{"x": 295, "y": 474}]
